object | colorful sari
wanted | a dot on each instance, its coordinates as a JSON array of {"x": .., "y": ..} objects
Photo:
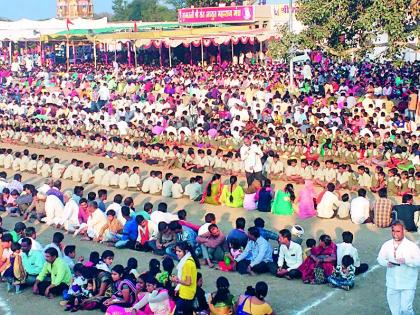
[
  {"x": 216, "y": 191},
  {"x": 306, "y": 201},
  {"x": 281, "y": 204},
  {"x": 308, "y": 267}
]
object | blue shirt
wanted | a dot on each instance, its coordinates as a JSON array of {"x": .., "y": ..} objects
[
  {"x": 257, "y": 251},
  {"x": 268, "y": 235},
  {"x": 130, "y": 230},
  {"x": 187, "y": 235},
  {"x": 101, "y": 205},
  {"x": 240, "y": 235}
]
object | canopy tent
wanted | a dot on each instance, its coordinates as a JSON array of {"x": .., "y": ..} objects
[
  {"x": 164, "y": 34},
  {"x": 25, "y": 30}
]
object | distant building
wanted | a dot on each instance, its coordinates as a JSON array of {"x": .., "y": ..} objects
[{"x": 74, "y": 9}]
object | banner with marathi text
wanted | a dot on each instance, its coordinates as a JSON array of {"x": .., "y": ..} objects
[{"x": 227, "y": 14}]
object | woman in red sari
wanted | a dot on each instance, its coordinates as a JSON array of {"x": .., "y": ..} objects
[{"x": 324, "y": 255}]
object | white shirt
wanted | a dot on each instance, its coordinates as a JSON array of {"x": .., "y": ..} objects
[
  {"x": 359, "y": 210},
  {"x": 403, "y": 277},
  {"x": 344, "y": 249},
  {"x": 158, "y": 216},
  {"x": 328, "y": 204},
  {"x": 252, "y": 158},
  {"x": 203, "y": 229},
  {"x": 292, "y": 256}
]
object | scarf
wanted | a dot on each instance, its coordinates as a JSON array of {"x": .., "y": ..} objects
[
  {"x": 180, "y": 267},
  {"x": 18, "y": 270},
  {"x": 144, "y": 234}
]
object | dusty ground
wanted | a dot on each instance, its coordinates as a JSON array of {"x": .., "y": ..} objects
[{"x": 368, "y": 297}]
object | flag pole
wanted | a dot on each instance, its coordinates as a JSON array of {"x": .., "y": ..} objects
[{"x": 67, "y": 52}]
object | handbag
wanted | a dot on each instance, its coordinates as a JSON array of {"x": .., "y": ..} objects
[{"x": 319, "y": 275}]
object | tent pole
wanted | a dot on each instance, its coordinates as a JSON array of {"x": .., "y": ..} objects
[
  {"x": 202, "y": 53},
  {"x": 10, "y": 52},
  {"x": 160, "y": 54},
  {"x": 231, "y": 42},
  {"x": 74, "y": 53},
  {"x": 115, "y": 52},
  {"x": 191, "y": 61},
  {"x": 135, "y": 54},
  {"x": 95, "y": 53},
  {"x": 170, "y": 56},
  {"x": 129, "y": 54},
  {"x": 68, "y": 54}
]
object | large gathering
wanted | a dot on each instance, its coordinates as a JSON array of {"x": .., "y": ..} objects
[{"x": 143, "y": 183}]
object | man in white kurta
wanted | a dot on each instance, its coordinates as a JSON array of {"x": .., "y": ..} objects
[
  {"x": 54, "y": 209},
  {"x": 402, "y": 259}
]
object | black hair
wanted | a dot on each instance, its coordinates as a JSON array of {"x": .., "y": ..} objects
[
  {"x": 51, "y": 251},
  {"x": 154, "y": 267},
  {"x": 347, "y": 261},
  {"x": 347, "y": 237},
  {"x": 345, "y": 197},
  {"x": 326, "y": 239},
  {"x": 232, "y": 181},
  {"x": 119, "y": 269},
  {"x": 69, "y": 249},
  {"x": 214, "y": 178},
  {"x": 259, "y": 222},
  {"x": 168, "y": 265},
  {"x": 185, "y": 247},
  {"x": 107, "y": 254},
  {"x": 209, "y": 217},
  {"x": 94, "y": 258},
  {"x": 289, "y": 189},
  {"x": 58, "y": 237},
  {"x": 261, "y": 290},
  {"x": 310, "y": 242},
  {"x": 222, "y": 294},
  {"x": 240, "y": 223},
  {"x": 286, "y": 234},
  {"x": 254, "y": 232}
]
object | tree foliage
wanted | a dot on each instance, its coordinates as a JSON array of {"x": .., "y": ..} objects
[
  {"x": 144, "y": 10},
  {"x": 350, "y": 27}
]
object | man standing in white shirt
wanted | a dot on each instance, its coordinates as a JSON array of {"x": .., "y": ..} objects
[
  {"x": 359, "y": 208},
  {"x": 251, "y": 154},
  {"x": 402, "y": 259}
]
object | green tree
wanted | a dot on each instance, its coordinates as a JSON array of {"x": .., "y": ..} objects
[
  {"x": 120, "y": 9},
  {"x": 350, "y": 27},
  {"x": 144, "y": 10}
]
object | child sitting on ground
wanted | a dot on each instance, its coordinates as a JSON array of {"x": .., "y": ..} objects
[
  {"x": 79, "y": 290},
  {"x": 228, "y": 262},
  {"x": 343, "y": 211},
  {"x": 343, "y": 276},
  {"x": 310, "y": 243},
  {"x": 15, "y": 274}
]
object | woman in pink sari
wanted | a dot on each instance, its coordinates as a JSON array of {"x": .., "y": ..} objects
[
  {"x": 324, "y": 256},
  {"x": 155, "y": 301},
  {"x": 306, "y": 201}
]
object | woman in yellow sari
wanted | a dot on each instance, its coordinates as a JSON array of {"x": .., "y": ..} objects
[{"x": 211, "y": 194}]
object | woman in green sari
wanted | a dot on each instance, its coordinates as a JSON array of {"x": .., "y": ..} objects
[
  {"x": 283, "y": 201},
  {"x": 233, "y": 194}
]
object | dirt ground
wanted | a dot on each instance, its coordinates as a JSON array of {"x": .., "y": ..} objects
[{"x": 286, "y": 297}]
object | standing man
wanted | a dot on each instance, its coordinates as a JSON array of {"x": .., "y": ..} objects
[
  {"x": 251, "y": 154},
  {"x": 402, "y": 259}
]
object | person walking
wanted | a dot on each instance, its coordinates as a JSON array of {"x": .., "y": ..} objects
[{"x": 401, "y": 257}]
